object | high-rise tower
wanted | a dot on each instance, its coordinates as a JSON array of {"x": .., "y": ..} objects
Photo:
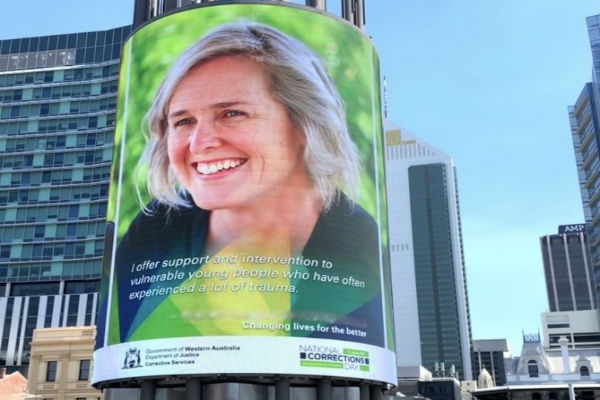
[
  {"x": 567, "y": 268},
  {"x": 585, "y": 129},
  {"x": 428, "y": 276},
  {"x": 57, "y": 115}
]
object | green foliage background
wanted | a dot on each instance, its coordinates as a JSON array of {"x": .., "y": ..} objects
[{"x": 149, "y": 53}]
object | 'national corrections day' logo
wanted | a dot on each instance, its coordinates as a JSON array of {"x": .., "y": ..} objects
[{"x": 332, "y": 357}]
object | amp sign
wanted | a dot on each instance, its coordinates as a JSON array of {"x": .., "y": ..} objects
[{"x": 574, "y": 228}]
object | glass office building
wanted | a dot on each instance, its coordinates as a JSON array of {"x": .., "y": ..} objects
[
  {"x": 585, "y": 129},
  {"x": 57, "y": 115},
  {"x": 435, "y": 274},
  {"x": 428, "y": 272}
]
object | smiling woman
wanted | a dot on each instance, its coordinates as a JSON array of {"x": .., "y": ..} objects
[
  {"x": 248, "y": 156},
  {"x": 269, "y": 73},
  {"x": 234, "y": 149}
]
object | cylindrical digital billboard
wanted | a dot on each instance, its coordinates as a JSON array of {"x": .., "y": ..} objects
[{"x": 247, "y": 207}]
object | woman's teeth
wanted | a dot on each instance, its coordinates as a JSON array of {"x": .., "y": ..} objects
[{"x": 213, "y": 168}]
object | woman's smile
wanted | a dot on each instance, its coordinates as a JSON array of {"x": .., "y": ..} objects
[
  {"x": 230, "y": 142},
  {"x": 211, "y": 168}
]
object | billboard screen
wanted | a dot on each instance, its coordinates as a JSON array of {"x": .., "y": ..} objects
[{"x": 247, "y": 215}]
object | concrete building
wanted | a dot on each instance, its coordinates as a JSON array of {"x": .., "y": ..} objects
[
  {"x": 428, "y": 277},
  {"x": 539, "y": 365},
  {"x": 593, "y": 25},
  {"x": 57, "y": 115},
  {"x": 568, "y": 271},
  {"x": 489, "y": 355},
  {"x": 543, "y": 373},
  {"x": 61, "y": 363},
  {"x": 558, "y": 391},
  {"x": 581, "y": 329},
  {"x": 570, "y": 286},
  {"x": 419, "y": 383}
]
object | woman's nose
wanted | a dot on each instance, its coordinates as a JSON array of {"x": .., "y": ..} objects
[{"x": 204, "y": 137}]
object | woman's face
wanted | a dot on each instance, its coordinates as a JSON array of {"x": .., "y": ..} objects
[{"x": 230, "y": 143}]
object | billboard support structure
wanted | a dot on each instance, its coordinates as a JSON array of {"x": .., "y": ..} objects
[
  {"x": 282, "y": 388},
  {"x": 146, "y": 10},
  {"x": 193, "y": 389},
  {"x": 147, "y": 389},
  {"x": 324, "y": 389}
]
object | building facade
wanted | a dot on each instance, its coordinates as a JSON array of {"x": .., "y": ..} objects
[
  {"x": 581, "y": 329},
  {"x": 440, "y": 389},
  {"x": 57, "y": 115},
  {"x": 553, "y": 391},
  {"x": 61, "y": 363},
  {"x": 548, "y": 374},
  {"x": 568, "y": 271},
  {"x": 428, "y": 271},
  {"x": 585, "y": 130},
  {"x": 489, "y": 354}
]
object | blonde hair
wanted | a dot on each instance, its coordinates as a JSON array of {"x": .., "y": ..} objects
[{"x": 298, "y": 80}]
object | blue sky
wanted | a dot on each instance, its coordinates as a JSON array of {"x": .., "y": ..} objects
[{"x": 487, "y": 82}]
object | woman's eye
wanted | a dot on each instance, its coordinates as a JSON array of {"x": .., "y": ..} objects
[
  {"x": 183, "y": 122},
  {"x": 233, "y": 113}
]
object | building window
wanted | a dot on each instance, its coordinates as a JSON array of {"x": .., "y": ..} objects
[
  {"x": 84, "y": 370},
  {"x": 533, "y": 369},
  {"x": 584, "y": 371},
  {"x": 51, "y": 371}
]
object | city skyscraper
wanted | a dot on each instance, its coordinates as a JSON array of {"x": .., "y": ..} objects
[
  {"x": 593, "y": 25},
  {"x": 428, "y": 275},
  {"x": 584, "y": 118},
  {"x": 567, "y": 269},
  {"x": 57, "y": 115}
]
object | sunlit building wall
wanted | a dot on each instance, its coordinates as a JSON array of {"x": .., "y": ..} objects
[
  {"x": 61, "y": 364},
  {"x": 567, "y": 269},
  {"x": 585, "y": 129},
  {"x": 431, "y": 308}
]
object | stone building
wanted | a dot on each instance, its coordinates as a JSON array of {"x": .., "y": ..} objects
[{"x": 61, "y": 363}]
